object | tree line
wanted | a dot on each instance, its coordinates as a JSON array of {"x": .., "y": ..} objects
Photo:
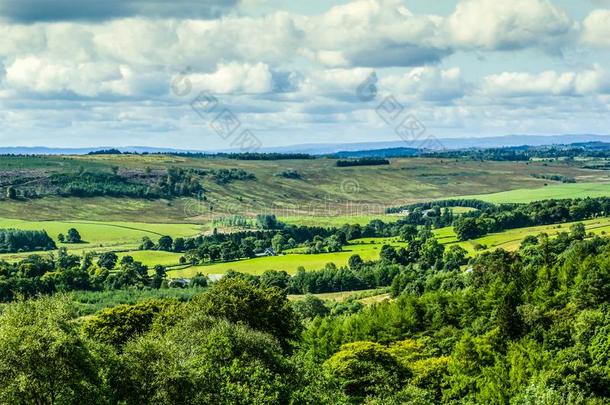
[
  {"x": 488, "y": 217},
  {"x": 17, "y": 240},
  {"x": 455, "y": 202},
  {"x": 175, "y": 182},
  {"x": 555, "y": 177},
  {"x": 62, "y": 272},
  {"x": 526, "y": 153},
  {"x": 365, "y": 161},
  {"x": 475, "y": 224}
]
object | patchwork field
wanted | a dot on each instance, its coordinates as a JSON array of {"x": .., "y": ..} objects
[
  {"x": 289, "y": 262},
  {"x": 322, "y": 195},
  {"x": 368, "y": 249},
  {"x": 511, "y": 239}
]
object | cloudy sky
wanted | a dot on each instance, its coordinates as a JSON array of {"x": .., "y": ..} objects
[{"x": 126, "y": 72}]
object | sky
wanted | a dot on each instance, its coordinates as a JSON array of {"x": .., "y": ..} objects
[{"x": 208, "y": 74}]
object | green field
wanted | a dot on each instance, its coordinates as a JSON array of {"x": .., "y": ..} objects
[
  {"x": 325, "y": 195},
  {"x": 125, "y": 237},
  {"x": 289, "y": 262},
  {"x": 511, "y": 239},
  {"x": 555, "y": 191},
  {"x": 338, "y": 221},
  {"x": 101, "y": 236},
  {"x": 462, "y": 210},
  {"x": 364, "y": 296}
]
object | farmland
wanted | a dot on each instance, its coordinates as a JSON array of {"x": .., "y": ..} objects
[
  {"x": 289, "y": 262},
  {"x": 368, "y": 249}
]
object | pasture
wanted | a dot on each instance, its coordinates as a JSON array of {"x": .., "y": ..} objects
[
  {"x": 101, "y": 236},
  {"x": 553, "y": 191},
  {"x": 338, "y": 221},
  {"x": 364, "y": 296},
  {"x": 367, "y": 248},
  {"x": 511, "y": 239},
  {"x": 288, "y": 262}
]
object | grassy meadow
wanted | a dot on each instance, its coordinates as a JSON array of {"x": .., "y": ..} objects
[
  {"x": 338, "y": 221},
  {"x": 289, "y": 262},
  {"x": 101, "y": 236},
  {"x": 364, "y": 296},
  {"x": 511, "y": 239},
  {"x": 552, "y": 191}
]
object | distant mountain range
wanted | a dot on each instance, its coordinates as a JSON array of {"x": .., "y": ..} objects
[
  {"x": 447, "y": 143},
  {"x": 390, "y": 148}
]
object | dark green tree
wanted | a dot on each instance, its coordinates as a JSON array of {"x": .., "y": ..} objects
[
  {"x": 73, "y": 236},
  {"x": 165, "y": 243},
  {"x": 108, "y": 260},
  {"x": 264, "y": 309}
]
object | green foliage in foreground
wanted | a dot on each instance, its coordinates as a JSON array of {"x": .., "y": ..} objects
[
  {"x": 190, "y": 353},
  {"x": 115, "y": 326},
  {"x": 522, "y": 327},
  {"x": 89, "y": 302},
  {"x": 518, "y": 328},
  {"x": 44, "y": 360}
]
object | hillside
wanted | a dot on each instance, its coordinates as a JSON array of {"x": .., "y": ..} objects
[{"x": 320, "y": 189}]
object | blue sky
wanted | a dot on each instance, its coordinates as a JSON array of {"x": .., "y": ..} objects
[{"x": 126, "y": 72}]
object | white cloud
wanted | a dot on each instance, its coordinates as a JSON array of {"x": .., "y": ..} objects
[
  {"x": 15, "y": 39},
  {"x": 596, "y": 28},
  {"x": 285, "y": 71},
  {"x": 517, "y": 84},
  {"x": 548, "y": 83},
  {"x": 335, "y": 83},
  {"x": 45, "y": 76},
  {"x": 374, "y": 33},
  {"x": 65, "y": 77},
  {"x": 235, "y": 78},
  {"x": 427, "y": 83},
  {"x": 508, "y": 24}
]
